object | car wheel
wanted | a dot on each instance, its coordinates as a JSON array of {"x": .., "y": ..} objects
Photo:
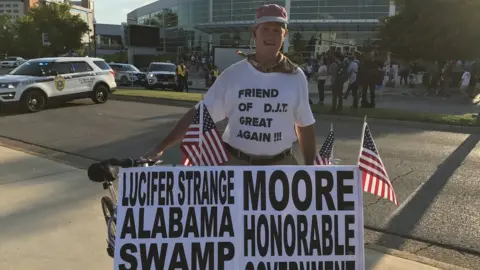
[
  {"x": 34, "y": 101},
  {"x": 100, "y": 94}
]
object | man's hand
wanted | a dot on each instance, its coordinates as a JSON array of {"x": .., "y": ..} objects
[{"x": 153, "y": 156}]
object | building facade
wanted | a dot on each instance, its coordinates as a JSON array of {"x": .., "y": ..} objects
[
  {"x": 109, "y": 39},
  {"x": 315, "y": 25},
  {"x": 13, "y": 8}
]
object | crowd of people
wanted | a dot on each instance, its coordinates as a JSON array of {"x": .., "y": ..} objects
[{"x": 362, "y": 71}]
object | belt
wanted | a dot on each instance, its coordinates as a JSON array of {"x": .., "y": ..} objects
[{"x": 255, "y": 160}]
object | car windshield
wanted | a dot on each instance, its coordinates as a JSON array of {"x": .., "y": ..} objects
[
  {"x": 125, "y": 68},
  {"x": 161, "y": 67},
  {"x": 12, "y": 59},
  {"x": 33, "y": 69}
]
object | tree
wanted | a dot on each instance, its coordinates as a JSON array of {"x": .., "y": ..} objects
[
  {"x": 7, "y": 35},
  {"x": 433, "y": 30},
  {"x": 64, "y": 30}
]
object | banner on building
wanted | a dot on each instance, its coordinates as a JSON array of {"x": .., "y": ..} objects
[{"x": 227, "y": 218}]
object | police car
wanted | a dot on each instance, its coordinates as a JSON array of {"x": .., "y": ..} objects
[
  {"x": 126, "y": 74},
  {"x": 36, "y": 82},
  {"x": 162, "y": 75}
]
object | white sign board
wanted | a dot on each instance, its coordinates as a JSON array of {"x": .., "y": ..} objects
[{"x": 228, "y": 218}]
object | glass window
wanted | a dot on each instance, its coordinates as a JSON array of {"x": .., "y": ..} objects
[
  {"x": 161, "y": 67},
  {"x": 81, "y": 67},
  {"x": 102, "y": 65},
  {"x": 62, "y": 68},
  {"x": 33, "y": 68}
]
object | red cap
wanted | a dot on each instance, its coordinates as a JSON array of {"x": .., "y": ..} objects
[{"x": 271, "y": 13}]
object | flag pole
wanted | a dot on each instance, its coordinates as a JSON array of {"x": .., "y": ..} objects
[
  {"x": 200, "y": 141},
  {"x": 333, "y": 147},
  {"x": 363, "y": 137}
]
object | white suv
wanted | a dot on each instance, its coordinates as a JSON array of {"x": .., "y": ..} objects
[
  {"x": 13, "y": 61},
  {"x": 38, "y": 81}
]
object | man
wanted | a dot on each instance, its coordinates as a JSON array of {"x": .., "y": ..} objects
[
  {"x": 337, "y": 72},
  {"x": 368, "y": 78},
  {"x": 214, "y": 73},
  {"x": 182, "y": 76},
  {"x": 263, "y": 97},
  {"x": 353, "y": 84},
  {"x": 464, "y": 82}
]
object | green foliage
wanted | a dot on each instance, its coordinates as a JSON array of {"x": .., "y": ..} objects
[
  {"x": 120, "y": 57},
  {"x": 433, "y": 30},
  {"x": 65, "y": 32},
  {"x": 7, "y": 34}
]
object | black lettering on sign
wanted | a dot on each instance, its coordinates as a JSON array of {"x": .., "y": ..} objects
[
  {"x": 302, "y": 265},
  {"x": 342, "y": 189},
  {"x": 153, "y": 256},
  {"x": 148, "y": 188},
  {"x": 206, "y": 188},
  {"x": 255, "y": 121},
  {"x": 254, "y": 190},
  {"x": 201, "y": 222},
  {"x": 275, "y": 108},
  {"x": 277, "y": 136},
  {"x": 290, "y": 235},
  {"x": 258, "y": 93},
  {"x": 245, "y": 107},
  {"x": 254, "y": 136}
]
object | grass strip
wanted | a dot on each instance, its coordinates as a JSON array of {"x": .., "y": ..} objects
[{"x": 379, "y": 113}]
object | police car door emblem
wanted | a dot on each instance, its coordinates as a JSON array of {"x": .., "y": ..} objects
[{"x": 59, "y": 83}]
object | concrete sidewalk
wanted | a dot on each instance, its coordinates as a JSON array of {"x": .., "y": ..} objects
[{"x": 51, "y": 219}]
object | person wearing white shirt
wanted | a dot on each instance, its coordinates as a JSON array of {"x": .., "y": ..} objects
[
  {"x": 322, "y": 75},
  {"x": 464, "y": 82},
  {"x": 265, "y": 99}
]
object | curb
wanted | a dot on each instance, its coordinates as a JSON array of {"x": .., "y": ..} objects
[
  {"x": 420, "y": 125},
  {"x": 413, "y": 257}
]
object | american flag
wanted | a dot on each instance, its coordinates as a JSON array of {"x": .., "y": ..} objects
[
  {"x": 375, "y": 179},
  {"x": 202, "y": 145},
  {"x": 324, "y": 156}
]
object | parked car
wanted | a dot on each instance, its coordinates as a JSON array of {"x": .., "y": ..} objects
[
  {"x": 38, "y": 81},
  {"x": 126, "y": 74},
  {"x": 12, "y": 61},
  {"x": 162, "y": 75}
]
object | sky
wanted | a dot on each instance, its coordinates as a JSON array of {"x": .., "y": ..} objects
[{"x": 115, "y": 11}]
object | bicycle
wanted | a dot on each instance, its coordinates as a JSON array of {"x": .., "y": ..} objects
[{"x": 107, "y": 172}]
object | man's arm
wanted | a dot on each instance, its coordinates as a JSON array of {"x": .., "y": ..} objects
[
  {"x": 213, "y": 101},
  {"x": 174, "y": 136},
  {"x": 306, "y": 141}
]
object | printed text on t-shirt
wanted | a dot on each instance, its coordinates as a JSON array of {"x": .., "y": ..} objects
[{"x": 262, "y": 122}]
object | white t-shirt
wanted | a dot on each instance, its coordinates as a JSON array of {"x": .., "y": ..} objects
[
  {"x": 466, "y": 78},
  {"x": 262, "y": 108}
]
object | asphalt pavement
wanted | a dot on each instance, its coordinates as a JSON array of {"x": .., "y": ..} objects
[{"x": 435, "y": 174}]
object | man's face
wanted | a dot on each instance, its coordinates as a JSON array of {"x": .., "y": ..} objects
[{"x": 269, "y": 37}]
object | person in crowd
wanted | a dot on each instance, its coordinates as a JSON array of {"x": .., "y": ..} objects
[
  {"x": 338, "y": 75},
  {"x": 264, "y": 77},
  {"x": 214, "y": 74},
  {"x": 353, "y": 68},
  {"x": 182, "y": 73},
  {"x": 322, "y": 75},
  {"x": 464, "y": 83},
  {"x": 368, "y": 79}
]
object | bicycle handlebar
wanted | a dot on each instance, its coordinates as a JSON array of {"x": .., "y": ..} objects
[
  {"x": 106, "y": 171},
  {"x": 129, "y": 162}
]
